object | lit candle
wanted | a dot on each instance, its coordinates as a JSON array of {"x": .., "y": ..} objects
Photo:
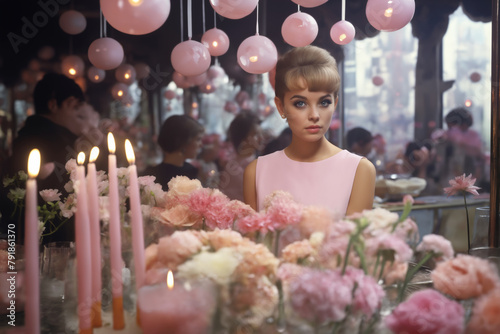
[
  {"x": 115, "y": 238},
  {"x": 82, "y": 245},
  {"x": 31, "y": 246},
  {"x": 136, "y": 217},
  {"x": 95, "y": 237},
  {"x": 183, "y": 309}
]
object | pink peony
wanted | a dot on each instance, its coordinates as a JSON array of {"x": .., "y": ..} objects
[
  {"x": 462, "y": 183},
  {"x": 441, "y": 247},
  {"x": 485, "y": 314},
  {"x": 321, "y": 296},
  {"x": 368, "y": 294},
  {"x": 50, "y": 195},
  {"x": 427, "y": 312},
  {"x": 465, "y": 277}
]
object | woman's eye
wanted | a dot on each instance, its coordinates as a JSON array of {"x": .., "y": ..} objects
[
  {"x": 299, "y": 104},
  {"x": 326, "y": 103}
]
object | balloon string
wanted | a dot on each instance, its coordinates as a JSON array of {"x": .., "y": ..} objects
[
  {"x": 257, "y": 23},
  {"x": 298, "y": 8},
  {"x": 104, "y": 26},
  {"x": 182, "y": 22},
  {"x": 215, "y": 19},
  {"x": 190, "y": 29},
  {"x": 100, "y": 22},
  {"x": 203, "y": 12},
  {"x": 343, "y": 10}
]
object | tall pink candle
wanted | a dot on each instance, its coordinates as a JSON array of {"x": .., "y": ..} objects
[
  {"x": 136, "y": 217},
  {"x": 31, "y": 247},
  {"x": 115, "y": 243},
  {"x": 95, "y": 237},
  {"x": 82, "y": 245}
]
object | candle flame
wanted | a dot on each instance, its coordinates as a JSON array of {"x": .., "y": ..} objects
[
  {"x": 94, "y": 153},
  {"x": 81, "y": 158},
  {"x": 34, "y": 163},
  {"x": 170, "y": 280},
  {"x": 129, "y": 151},
  {"x": 111, "y": 143}
]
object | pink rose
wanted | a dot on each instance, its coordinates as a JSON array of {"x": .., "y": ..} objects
[
  {"x": 426, "y": 312},
  {"x": 465, "y": 277},
  {"x": 485, "y": 314}
]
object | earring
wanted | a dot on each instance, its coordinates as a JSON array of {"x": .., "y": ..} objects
[{"x": 283, "y": 116}]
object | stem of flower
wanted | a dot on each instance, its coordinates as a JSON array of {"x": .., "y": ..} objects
[
  {"x": 277, "y": 242},
  {"x": 376, "y": 265},
  {"x": 346, "y": 259},
  {"x": 411, "y": 273},
  {"x": 54, "y": 230},
  {"x": 467, "y": 216}
]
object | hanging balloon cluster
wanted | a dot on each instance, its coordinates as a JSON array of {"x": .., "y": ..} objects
[{"x": 72, "y": 22}]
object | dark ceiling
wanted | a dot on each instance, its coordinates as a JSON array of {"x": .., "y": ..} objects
[{"x": 155, "y": 48}]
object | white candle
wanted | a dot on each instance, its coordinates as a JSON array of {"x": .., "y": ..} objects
[
  {"x": 136, "y": 218},
  {"x": 82, "y": 245},
  {"x": 115, "y": 238},
  {"x": 31, "y": 247},
  {"x": 95, "y": 237}
]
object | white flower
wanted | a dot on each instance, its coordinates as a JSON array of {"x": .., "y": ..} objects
[
  {"x": 103, "y": 208},
  {"x": 219, "y": 266},
  {"x": 50, "y": 195},
  {"x": 71, "y": 168},
  {"x": 380, "y": 220},
  {"x": 41, "y": 228}
]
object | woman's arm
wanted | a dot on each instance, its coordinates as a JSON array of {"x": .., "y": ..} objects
[
  {"x": 363, "y": 188},
  {"x": 249, "y": 191}
]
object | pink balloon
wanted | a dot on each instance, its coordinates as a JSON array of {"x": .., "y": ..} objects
[
  {"x": 196, "y": 80},
  {"x": 125, "y": 73},
  {"x": 309, "y": 3},
  {"x": 299, "y": 29},
  {"x": 378, "y": 80},
  {"x": 142, "y": 70},
  {"x": 170, "y": 94},
  {"x": 72, "y": 22},
  {"x": 105, "y": 53},
  {"x": 234, "y": 9},
  {"x": 119, "y": 91},
  {"x": 190, "y": 58},
  {"x": 475, "y": 77},
  {"x": 96, "y": 74},
  {"x": 215, "y": 71},
  {"x": 342, "y": 32},
  {"x": 136, "y": 17},
  {"x": 272, "y": 77},
  {"x": 180, "y": 80},
  {"x": 389, "y": 15},
  {"x": 216, "y": 41},
  {"x": 207, "y": 87},
  {"x": 73, "y": 66},
  {"x": 257, "y": 54}
]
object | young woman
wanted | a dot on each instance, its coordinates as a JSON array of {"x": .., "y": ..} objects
[{"x": 312, "y": 169}]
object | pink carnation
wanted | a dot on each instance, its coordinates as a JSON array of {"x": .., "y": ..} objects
[
  {"x": 151, "y": 255},
  {"x": 437, "y": 244},
  {"x": 179, "y": 189},
  {"x": 146, "y": 180},
  {"x": 335, "y": 243},
  {"x": 252, "y": 223},
  {"x": 395, "y": 272},
  {"x": 321, "y": 296},
  {"x": 314, "y": 219},
  {"x": 297, "y": 251},
  {"x": 426, "y": 312},
  {"x": 287, "y": 272},
  {"x": 284, "y": 211},
  {"x": 485, "y": 314},
  {"x": 465, "y": 277},
  {"x": 199, "y": 200},
  {"x": 240, "y": 209},
  {"x": 368, "y": 294},
  {"x": 50, "y": 195},
  {"x": 179, "y": 215},
  {"x": 276, "y": 194},
  {"x": 218, "y": 213},
  {"x": 462, "y": 183},
  {"x": 386, "y": 241},
  {"x": 407, "y": 230},
  {"x": 224, "y": 238},
  {"x": 176, "y": 248}
]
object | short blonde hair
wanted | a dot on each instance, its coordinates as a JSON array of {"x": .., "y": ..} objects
[{"x": 308, "y": 67}]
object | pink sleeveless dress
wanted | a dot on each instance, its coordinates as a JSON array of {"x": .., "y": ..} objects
[{"x": 326, "y": 183}]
